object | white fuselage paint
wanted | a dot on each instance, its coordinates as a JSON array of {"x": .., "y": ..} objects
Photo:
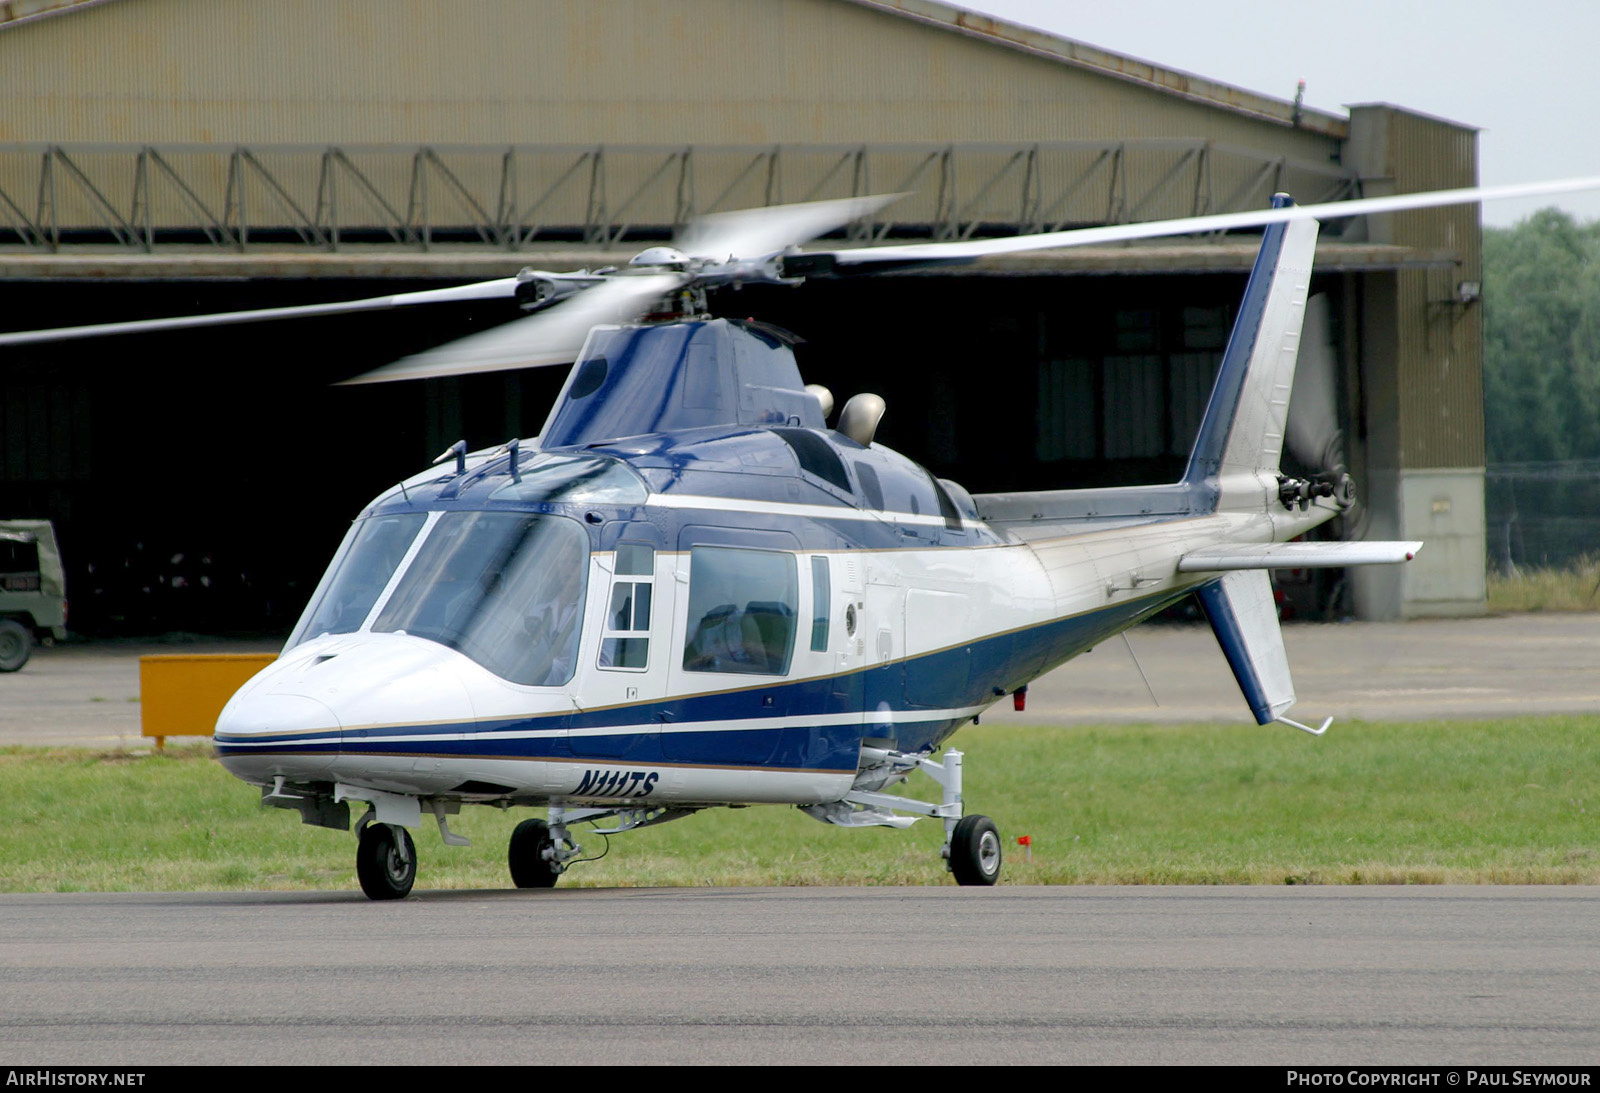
[{"x": 408, "y": 700}]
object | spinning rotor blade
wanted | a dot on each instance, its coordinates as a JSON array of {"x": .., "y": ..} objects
[
  {"x": 1312, "y": 431},
  {"x": 482, "y": 290},
  {"x": 753, "y": 238},
  {"x": 552, "y": 336},
  {"x": 556, "y": 334},
  {"x": 756, "y": 233},
  {"x": 1117, "y": 233}
]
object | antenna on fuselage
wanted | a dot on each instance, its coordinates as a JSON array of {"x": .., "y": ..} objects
[
  {"x": 459, "y": 450},
  {"x": 511, "y": 446}
]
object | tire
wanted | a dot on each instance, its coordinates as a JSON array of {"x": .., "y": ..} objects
[
  {"x": 525, "y": 855},
  {"x": 16, "y": 644},
  {"x": 383, "y": 871},
  {"x": 975, "y": 851}
]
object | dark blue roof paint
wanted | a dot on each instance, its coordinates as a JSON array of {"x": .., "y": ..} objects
[
  {"x": 736, "y": 463},
  {"x": 666, "y": 377}
]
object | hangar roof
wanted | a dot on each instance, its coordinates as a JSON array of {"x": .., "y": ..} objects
[
  {"x": 1082, "y": 55},
  {"x": 986, "y": 28}
]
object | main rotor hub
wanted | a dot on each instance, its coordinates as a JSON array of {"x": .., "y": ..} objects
[{"x": 660, "y": 258}]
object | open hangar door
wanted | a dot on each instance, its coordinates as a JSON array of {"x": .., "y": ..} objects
[
  {"x": 200, "y": 480},
  {"x": 1055, "y": 381}
]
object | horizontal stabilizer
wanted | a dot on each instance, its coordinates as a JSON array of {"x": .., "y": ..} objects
[
  {"x": 1245, "y": 618},
  {"x": 1295, "y": 556}
]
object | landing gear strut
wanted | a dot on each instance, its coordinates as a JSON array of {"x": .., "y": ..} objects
[
  {"x": 532, "y": 856},
  {"x": 540, "y": 851},
  {"x": 971, "y": 844}
]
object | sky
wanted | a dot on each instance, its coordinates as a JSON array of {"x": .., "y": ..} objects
[{"x": 1526, "y": 72}]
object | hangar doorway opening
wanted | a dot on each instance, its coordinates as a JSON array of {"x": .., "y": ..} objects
[{"x": 199, "y": 481}]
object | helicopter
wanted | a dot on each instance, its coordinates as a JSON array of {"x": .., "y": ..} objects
[{"x": 690, "y": 591}]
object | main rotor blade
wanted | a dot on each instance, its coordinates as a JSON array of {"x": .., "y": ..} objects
[
  {"x": 552, "y": 336},
  {"x": 482, "y": 290},
  {"x": 756, "y": 233},
  {"x": 1117, "y": 233}
]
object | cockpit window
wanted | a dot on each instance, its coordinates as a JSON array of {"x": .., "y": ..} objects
[
  {"x": 505, "y": 589},
  {"x": 581, "y": 479},
  {"x": 372, "y": 553}
]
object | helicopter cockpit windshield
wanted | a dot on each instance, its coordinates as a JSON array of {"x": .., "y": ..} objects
[
  {"x": 504, "y": 588},
  {"x": 371, "y": 553}
]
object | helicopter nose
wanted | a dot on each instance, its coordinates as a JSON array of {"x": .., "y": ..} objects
[
  {"x": 261, "y": 715},
  {"x": 259, "y": 735}
]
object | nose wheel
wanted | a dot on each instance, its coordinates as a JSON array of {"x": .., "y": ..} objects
[{"x": 386, "y": 861}]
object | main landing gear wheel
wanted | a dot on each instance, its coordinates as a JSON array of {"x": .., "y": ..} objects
[
  {"x": 975, "y": 851},
  {"x": 386, "y": 861},
  {"x": 529, "y": 867},
  {"x": 15, "y": 645}
]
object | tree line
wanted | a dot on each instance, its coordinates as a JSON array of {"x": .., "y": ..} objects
[{"x": 1541, "y": 353}]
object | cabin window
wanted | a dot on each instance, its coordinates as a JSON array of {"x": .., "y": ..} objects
[
  {"x": 503, "y": 588},
  {"x": 358, "y": 576},
  {"x": 625, "y": 643},
  {"x": 821, "y": 599},
  {"x": 742, "y": 611},
  {"x": 816, "y": 456}
]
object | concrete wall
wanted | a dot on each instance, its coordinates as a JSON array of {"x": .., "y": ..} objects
[{"x": 1421, "y": 361}]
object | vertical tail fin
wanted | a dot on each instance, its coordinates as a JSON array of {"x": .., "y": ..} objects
[
  {"x": 1241, "y": 610},
  {"x": 1239, "y": 447},
  {"x": 1243, "y": 427},
  {"x": 1245, "y": 619}
]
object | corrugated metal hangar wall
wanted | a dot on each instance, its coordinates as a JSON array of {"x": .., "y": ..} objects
[{"x": 162, "y": 156}]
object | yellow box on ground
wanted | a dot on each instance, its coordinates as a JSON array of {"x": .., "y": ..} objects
[{"x": 181, "y": 694}]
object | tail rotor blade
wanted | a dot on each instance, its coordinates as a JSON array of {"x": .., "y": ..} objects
[
  {"x": 1313, "y": 433},
  {"x": 1313, "y": 429}
]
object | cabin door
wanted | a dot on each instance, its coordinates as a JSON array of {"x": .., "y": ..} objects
[{"x": 630, "y": 608}]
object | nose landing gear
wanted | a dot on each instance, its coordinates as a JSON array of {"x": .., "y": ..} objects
[{"x": 386, "y": 861}]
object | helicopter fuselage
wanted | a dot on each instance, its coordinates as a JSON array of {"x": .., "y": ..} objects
[{"x": 723, "y": 615}]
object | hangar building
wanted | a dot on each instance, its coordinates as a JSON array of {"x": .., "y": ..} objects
[{"x": 166, "y": 157}]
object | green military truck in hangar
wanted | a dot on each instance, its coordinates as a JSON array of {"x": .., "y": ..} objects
[{"x": 33, "y": 590}]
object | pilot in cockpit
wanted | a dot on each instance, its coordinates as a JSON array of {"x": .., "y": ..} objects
[{"x": 554, "y": 617}]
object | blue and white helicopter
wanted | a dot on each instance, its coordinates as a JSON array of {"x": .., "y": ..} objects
[{"x": 688, "y": 591}]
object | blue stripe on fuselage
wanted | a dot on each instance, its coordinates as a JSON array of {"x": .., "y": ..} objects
[{"x": 909, "y": 701}]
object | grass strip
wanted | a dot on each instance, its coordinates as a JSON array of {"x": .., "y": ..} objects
[
  {"x": 1575, "y": 588},
  {"x": 1489, "y": 802}
]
